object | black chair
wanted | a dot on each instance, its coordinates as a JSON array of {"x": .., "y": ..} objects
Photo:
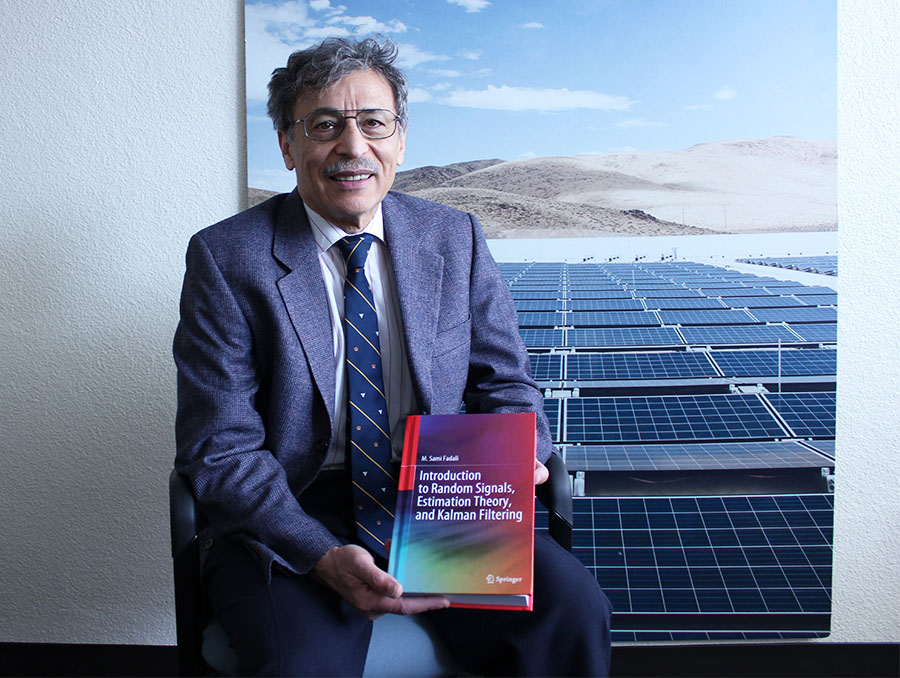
[{"x": 203, "y": 648}]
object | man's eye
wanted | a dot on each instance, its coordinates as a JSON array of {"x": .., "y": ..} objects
[
  {"x": 372, "y": 123},
  {"x": 327, "y": 124}
]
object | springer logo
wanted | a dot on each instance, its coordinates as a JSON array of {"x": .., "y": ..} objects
[{"x": 491, "y": 579}]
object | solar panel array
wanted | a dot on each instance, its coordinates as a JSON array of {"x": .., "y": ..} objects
[
  {"x": 695, "y": 405},
  {"x": 826, "y": 265}
]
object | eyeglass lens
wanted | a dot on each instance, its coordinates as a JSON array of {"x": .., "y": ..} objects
[{"x": 375, "y": 123}]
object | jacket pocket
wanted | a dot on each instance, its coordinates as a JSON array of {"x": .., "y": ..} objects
[{"x": 452, "y": 338}]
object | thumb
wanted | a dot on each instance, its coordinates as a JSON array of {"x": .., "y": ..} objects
[
  {"x": 376, "y": 578},
  {"x": 385, "y": 584}
]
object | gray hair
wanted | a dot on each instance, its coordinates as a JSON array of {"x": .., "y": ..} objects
[{"x": 316, "y": 68}]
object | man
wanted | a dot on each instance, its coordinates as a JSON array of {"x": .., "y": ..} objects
[{"x": 294, "y": 573}]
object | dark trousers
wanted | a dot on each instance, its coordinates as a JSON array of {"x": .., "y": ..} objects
[{"x": 294, "y": 626}]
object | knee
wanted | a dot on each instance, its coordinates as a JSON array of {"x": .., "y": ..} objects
[
  {"x": 570, "y": 587},
  {"x": 582, "y": 601}
]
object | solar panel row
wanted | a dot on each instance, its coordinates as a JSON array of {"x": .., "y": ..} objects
[
  {"x": 826, "y": 265},
  {"x": 693, "y": 456},
  {"x": 590, "y": 315},
  {"x": 739, "y": 554},
  {"x": 659, "y": 365},
  {"x": 692, "y": 418},
  {"x": 542, "y": 336}
]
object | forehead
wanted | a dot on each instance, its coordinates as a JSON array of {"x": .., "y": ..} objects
[{"x": 359, "y": 89}]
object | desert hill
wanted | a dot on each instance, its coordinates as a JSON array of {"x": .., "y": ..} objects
[{"x": 430, "y": 175}]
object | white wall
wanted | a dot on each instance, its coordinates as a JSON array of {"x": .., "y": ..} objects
[
  {"x": 867, "y": 503},
  {"x": 121, "y": 133}
]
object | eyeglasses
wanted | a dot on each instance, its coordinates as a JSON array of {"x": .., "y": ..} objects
[{"x": 328, "y": 124}]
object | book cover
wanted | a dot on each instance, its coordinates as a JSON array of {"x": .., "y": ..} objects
[{"x": 464, "y": 523}]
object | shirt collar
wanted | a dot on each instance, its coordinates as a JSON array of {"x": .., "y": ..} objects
[{"x": 326, "y": 233}]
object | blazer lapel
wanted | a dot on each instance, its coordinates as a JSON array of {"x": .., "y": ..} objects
[
  {"x": 303, "y": 292},
  {"x": 417, "y": 274}
]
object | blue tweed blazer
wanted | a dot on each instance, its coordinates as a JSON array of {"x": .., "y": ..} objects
[{"x": 256, "y": 368}]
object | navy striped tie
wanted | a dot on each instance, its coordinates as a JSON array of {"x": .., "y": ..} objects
[{"x": 369, "y": 436}]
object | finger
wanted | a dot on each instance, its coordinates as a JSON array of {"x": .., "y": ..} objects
[
  {"x": 416, "y": 604},
  {"x": 365, "y": 569},
  {"x": 541, "y": 474},
  {"x": 383, "y": 583}
]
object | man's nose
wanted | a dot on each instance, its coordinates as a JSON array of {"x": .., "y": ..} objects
[{"x": 351, "y": 141}]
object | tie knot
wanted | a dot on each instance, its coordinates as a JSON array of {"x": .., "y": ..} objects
[{"x": 355, "y": 248}]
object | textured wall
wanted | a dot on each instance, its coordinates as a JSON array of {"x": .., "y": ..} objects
[
  {"x": 120, "y": 135},
  {"x": 867, "y": 502}
]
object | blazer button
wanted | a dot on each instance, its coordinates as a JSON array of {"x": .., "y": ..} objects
[{"x": 322, "y": 446}]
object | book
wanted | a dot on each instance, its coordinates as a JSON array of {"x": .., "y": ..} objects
[{"x": 464, "y": 522}]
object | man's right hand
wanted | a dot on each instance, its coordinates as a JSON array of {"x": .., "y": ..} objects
[{"x": 352, "y": 572}]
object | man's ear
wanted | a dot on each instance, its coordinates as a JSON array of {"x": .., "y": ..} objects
[
  {"x": 284, "y": 142},
  {"x": 402, "y": 150}
]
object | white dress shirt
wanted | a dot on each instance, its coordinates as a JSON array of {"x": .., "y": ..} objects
[{"x": 394, "y": 363}]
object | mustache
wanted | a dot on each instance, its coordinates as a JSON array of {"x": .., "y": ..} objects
[{"x": 350, "y": 166}]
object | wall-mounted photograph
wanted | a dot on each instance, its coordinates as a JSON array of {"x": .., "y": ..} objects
[{"x": 657, "y": 181}]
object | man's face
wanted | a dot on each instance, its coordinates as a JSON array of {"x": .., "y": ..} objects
[{"x": 345, "y": 179}]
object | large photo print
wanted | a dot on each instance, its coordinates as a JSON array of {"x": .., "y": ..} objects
[{"x": 657, "y": 182}]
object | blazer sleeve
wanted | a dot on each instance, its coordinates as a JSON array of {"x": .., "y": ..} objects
[
  {"x": 499, "y": 370},
  {"x": 221, "y": 438}
]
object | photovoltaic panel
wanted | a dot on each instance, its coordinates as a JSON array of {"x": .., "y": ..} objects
[
  {"x": 669, "y": 418},
  {"x": 595, "y": 286},
  {"x": 645, "y": 285},
  {"x": 628, "y": 366},
  {"x": 605, "y": 305},
  {"x": 537, "y": 286},
  {"x": 726, "y": 335},
  {"x": 806, "y": 290},
  {"x": 538, "y": 304},
  {"x": 532, "y": 294},
  {"x": 546, "y": 366},
  {"x": 711, "y": 287},
  {"x": 774, "y": 285},
  {"x": 706, "y": 317},
  {"x": 819, "y": 332},
  {"x": 770, "y": 301},
  {"x": 674, "y": 293},
  {"x": 541, "y": 338},
  {"x": 603, "y": 337},
  {"x": 807, "y": 314},
  {"x": 540, "y": 319},
  {"x": 553, "y": 410},
  {"x": 599, "y": 294},
  {"x": 693, "y": 456},
  {"x": 809, "y": 414},
  {"x": 824, "y": 446},
  {"x": 738, "y": 554},
  {"x": 683, "y": 304},
  {"x": 735, "y": 292},
  {"x": 819, "y": 299},
  {"x": 613, "y": 319},
  {"x": 824, "y": 264},
  {"x": 793, "y": 362}
]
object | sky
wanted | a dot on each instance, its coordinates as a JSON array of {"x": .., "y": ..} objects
[{"x": 514, "y": 79}]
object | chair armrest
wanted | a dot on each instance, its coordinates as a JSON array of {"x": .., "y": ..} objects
[
  {"x": 184, "y": 521},
  {"x": 556, "y": 496},
  {"x": 183, "y": 518}
]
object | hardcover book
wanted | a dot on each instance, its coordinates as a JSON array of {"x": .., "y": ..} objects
[{"x": 464, "y": 522}]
